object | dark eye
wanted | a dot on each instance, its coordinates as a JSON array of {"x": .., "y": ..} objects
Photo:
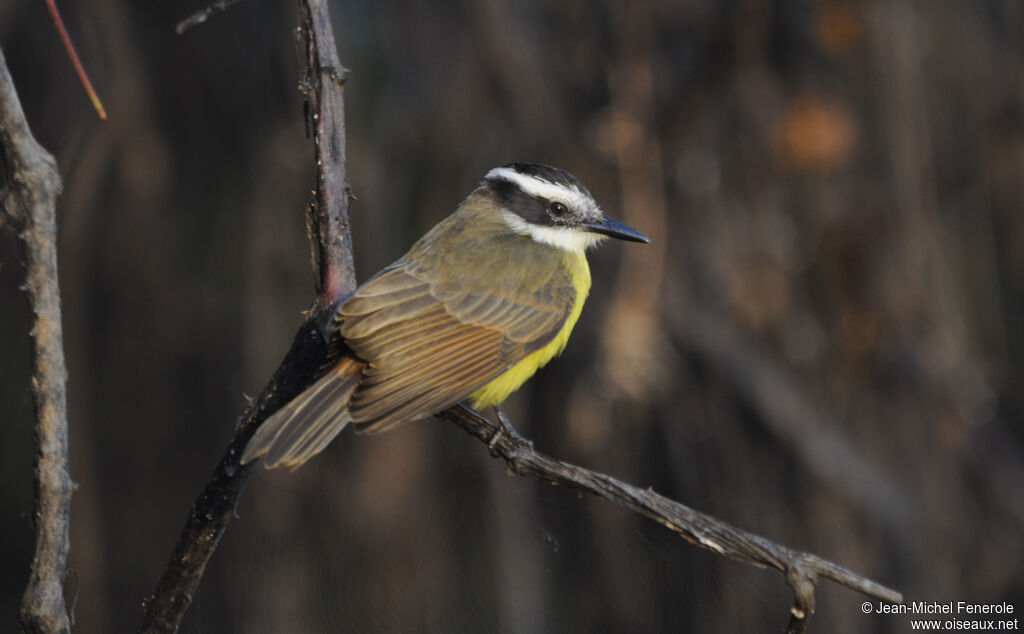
[{"x": 558, "y": 209}]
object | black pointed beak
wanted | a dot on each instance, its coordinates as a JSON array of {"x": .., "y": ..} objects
[{"x": 615, "y": 229}]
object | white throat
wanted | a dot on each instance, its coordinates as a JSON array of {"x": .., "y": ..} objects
[{"x": 565, "y": 238}]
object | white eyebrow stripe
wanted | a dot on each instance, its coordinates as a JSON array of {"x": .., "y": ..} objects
[{"x": 540, "y": 187}]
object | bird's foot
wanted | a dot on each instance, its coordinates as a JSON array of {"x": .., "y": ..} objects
[{"x": 505, "y": 428}]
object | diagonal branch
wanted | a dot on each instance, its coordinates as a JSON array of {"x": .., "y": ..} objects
[
  {"x": 329, "y": 223},
  {"x": 29, "y": 197},
  {"x": 802, "y": 570}
]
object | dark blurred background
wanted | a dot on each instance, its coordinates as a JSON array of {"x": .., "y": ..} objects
[{"x": 821, "y": 345}]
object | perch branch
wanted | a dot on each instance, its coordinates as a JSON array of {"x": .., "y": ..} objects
[
  {"x": 215, "y": 505},
  {"x": 29, "y": 197},
  {"x": 802, "y": 570}
]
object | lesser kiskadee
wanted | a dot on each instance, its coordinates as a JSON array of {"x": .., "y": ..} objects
[{"x": 477, "y": 305}]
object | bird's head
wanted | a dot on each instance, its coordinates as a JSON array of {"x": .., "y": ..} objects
[{"x": 550, "y": 206}]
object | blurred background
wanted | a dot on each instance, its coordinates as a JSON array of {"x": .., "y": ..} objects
[{"x": 822, "y": 344}]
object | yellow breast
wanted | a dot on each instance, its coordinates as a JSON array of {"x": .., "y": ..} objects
[{"x": 498, "y": 389}]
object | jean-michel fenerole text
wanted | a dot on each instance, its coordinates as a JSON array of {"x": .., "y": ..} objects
[{"x": 948, "y": 607}]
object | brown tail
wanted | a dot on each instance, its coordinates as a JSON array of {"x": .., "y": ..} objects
[{"x": 303, "y": 427}]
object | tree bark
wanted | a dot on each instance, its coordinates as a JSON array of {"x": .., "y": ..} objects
[{"x": 31, "y": 186}]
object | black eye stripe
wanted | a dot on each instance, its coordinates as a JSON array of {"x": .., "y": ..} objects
[
  {"x": 536, "y": 207},
  {"x": 511, "y": 197}
]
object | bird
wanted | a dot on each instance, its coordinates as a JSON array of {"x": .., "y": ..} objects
[{"x": 473, "y": 310}]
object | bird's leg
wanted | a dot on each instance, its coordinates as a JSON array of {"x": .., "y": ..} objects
[{"x": 505, "y": 427}]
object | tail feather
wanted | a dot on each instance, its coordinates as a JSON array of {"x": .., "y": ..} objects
[{"x": 303, "y": 427}]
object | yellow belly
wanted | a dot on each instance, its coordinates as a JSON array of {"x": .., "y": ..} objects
[{"x": 509, "y": 381}]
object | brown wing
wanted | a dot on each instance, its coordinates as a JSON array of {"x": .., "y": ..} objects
[{"x": 430, "y": 343}]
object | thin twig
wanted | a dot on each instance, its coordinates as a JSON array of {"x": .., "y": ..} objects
[
  {"x": 802, "y": 570},
  {"x": 213, "y": 509},
  {"x": 203, "y": 15},
  {"x": 29, "y": 197},
  {"x": 83, "y": 77}
]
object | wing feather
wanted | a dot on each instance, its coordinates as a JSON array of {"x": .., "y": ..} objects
[
  {"x": 430, "y": 342},
  {"x": 302, "y": 428},
  {"x": 457, "y": 343},
  {"x": 412, "y": 402},
  {"x": 362, "y": 325},
  {"x": 407, "y": 333},
  {"x": 411, "y": 350}
]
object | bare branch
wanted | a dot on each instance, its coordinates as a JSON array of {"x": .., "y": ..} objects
[
  {"x": 213, "y": 509},
  {"x": 325, "y": 77},
  {"x": 29, "y": 196},
  {"x": 802, "y": 570}
]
